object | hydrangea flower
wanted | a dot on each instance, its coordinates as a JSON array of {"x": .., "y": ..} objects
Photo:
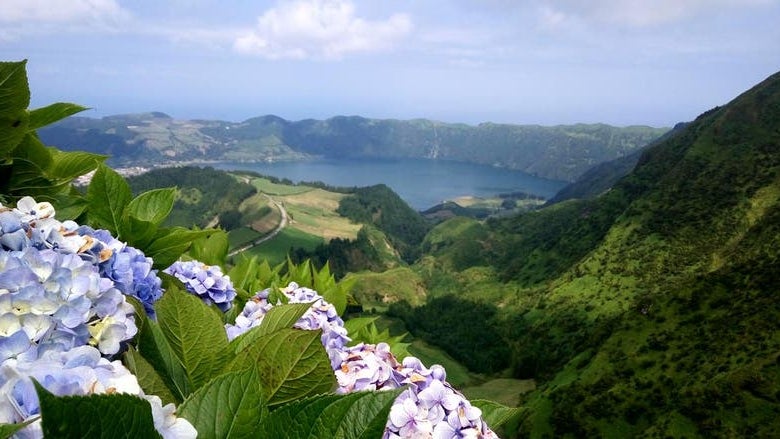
[
  {"x": 322, "y": 315},
  {"x": 58, "y": 301},
  {"x": 79, "y": 371},
  {"x": 32, "y": 224},
  {"x": 127, "y": 266},
  {"x": 430, "y": 407},
  {"x": 205, "y": 281}
]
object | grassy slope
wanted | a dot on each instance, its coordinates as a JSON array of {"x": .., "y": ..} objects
[{"x": 667, "y": 327}]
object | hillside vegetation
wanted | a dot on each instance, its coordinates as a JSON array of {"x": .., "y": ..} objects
[
  {"x": 561, "y": 152},
  {"x": 651, "y": 310}
]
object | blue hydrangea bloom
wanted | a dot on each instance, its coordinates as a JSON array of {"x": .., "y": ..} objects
[
  {"x": 59, "y": 301},
  {"x": 205, "y": 281},
  {"x": 78, "y": 371},
  {"x": 127, "y": 266}
]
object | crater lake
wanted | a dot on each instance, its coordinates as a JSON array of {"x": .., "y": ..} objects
[{"x": 420, "y": 182}]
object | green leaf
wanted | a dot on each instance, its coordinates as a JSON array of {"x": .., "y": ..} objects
[
  {"x": 151, "y": 381},
  {"x": 291, "y": 363},
  {"x": 69, "y": 165},
  {"x": 360, "y": 415},
  {"x": 195, "y": 333},
  {"x": 41, "y": 117},
  {"x": 8, "y": 430},
  {"x": 356, "y": 324},
  {"x": 31, "y": 148},
  {"x": 136, "y": 232},
  {"x": 156, "y": 350},
  {"x": 169, "y": 244},
  {"x": 152, "y": 206},
  {"x": 108, "y": 194},
  {"x": 229, "y": 406},
  {"x": 495, "y": 414},
  {"x": 14, "y": 99},
  {"x": 212, "y": 249},
  {"x": 14, "y": 90},
  {"x": 95, "y": 416},
  {"x": 13, "y": 128},
  {"x": 301, "y": 273},
  {"x": 279, "y": 317}
]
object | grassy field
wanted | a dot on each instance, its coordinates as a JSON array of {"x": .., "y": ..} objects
[
  {"x": 268, "y": 187},
  {"x": 457, "y": 374},
  {"x": 378, "y": 290},
  {"x": 507, "y": 391},
  {"x": 314, "y": 211},
  {"x": 275, "y": 250},
  {"x": 241, "y": 236}
]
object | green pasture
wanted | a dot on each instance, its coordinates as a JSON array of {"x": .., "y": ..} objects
[{"x": 275, "y": 250}]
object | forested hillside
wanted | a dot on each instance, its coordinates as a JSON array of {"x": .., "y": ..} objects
[
  {"x": 651, "y": 310},
  {"x": 561, "y": 152}
]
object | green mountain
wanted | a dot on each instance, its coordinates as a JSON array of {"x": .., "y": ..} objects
[
  {"x": 603, "y": 176},
  {"x": 651, "y": 310},
  {"x": 561, "y": 152}
]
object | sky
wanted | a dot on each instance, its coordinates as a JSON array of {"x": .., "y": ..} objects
[{"x": 548, "y": 62}]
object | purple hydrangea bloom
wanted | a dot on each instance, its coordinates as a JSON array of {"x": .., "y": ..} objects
[
  {"x": 205, "y": 281},
  {"x": 322, "y": 315}
]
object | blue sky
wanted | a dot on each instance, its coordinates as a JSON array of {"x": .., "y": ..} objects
[{"x": 547, "y": 62}]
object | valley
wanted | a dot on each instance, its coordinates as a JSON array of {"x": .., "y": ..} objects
[{"x": 647, "y": 309}]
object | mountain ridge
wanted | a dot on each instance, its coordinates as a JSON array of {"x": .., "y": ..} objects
[{"x": 561, "y": 152}]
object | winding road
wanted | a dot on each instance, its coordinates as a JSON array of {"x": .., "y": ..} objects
[{"x": 276, "y": 231}]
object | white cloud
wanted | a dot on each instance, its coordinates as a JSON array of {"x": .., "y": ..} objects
[
  {"x": 325, "y": 29},
  {"x": 634, "y": 13},
  {"x": 26, "y": 17},
  {"x": 60, "y": 11}
]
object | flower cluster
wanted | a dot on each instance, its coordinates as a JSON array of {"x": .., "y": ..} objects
[
  {"x": 322, "y": 315},
  {"x": 205, "y": 281},
  {"x": 79, "y": 371},
  {"x": 54, "y": 301},
  {"x": 62, "y": 309},
  {"x": 32, "y": 224},
  {"x": 430, "y": 407},
  {"x": 127, "y": 266}
]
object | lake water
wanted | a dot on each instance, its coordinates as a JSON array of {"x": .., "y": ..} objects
[{"x": 421, "y": 183}]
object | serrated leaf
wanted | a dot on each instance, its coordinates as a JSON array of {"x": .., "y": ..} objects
[
  {"x": 95, "y": 416},
  {"x": 360, "y": 415},
  {"x": 279, "y": 317},
  {"x": 291, "y": 364},
  {"x": 195, "y": 333},
  {"x": 137, "y": 233},
  {"x": 108, "y": 194},
  {"x": 495, "y": 414},
  {"x": 152, "y": 206},
  {"x": 300, "y": 274},
  {"x": 356, "y": 324},
  {"x": 13, "y": 128},
  {"x": 14, "y": 90},
  {"x": 229, "y": 406},
  {"x": 41, "y": 117},
  {"x": 170, "y": 244},
  {"x": 212, "y": 249},
  {"x": 68, "y": 165},
  {"x": 151, "y": 381},
  {"x": 154, "y": 347},
  {"x": 31, "y": 148}
]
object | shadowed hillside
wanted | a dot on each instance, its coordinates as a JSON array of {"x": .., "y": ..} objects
[{"x": 652, "y": 309}]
